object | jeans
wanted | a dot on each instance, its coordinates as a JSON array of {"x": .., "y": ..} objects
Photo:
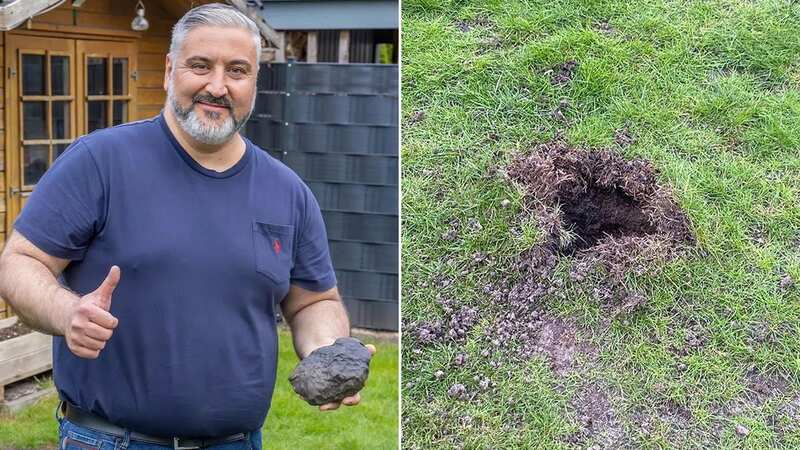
[{"x": 76, "y": 437}]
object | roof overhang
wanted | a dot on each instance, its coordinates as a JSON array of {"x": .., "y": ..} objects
[
  {"x": 15, "y": 12},
  {"x": 330, "y": 15}
]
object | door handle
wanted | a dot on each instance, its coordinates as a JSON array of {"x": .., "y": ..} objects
[{"x": 16, "y": 191}]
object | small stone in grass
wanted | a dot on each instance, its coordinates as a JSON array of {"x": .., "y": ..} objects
[
  {"x": 439, "y": 374},
  {"x": 505, "y": 203},
  {"x": 460, "y": 359},
  {"x": 474, "y": 225},
  {"x": 786, "y": 282},
  {"x": 449, "y": 235},
  {"x": 416, "y": 117},
  {"x": 457, "y": 391},
  {"x": 742, "y": 430}
]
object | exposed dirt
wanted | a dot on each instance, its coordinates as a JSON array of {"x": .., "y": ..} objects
[
  {"x": 563, "y": 74},
  {"x": 466, "y": 25},
  {"x": 764, "y": 387},
  {"x": 416, "y": 116},
  {"x": 786, "y": 282},
  {"x": 560, "y": 113},
  {"x": 597, "y": 419},
  {"x": 607, "y": 215},
  {"x": 26, "y": 386},
  {"x": 18, "y": 329},
  {"x": 604, "y": 28},
  {"x": 601, "y": 207},
  {"x": 458, "y": 321},
  {"x": 600, "y": 212},
  {"x": 623, "y": 137},
  {"x": 604, "y": 217},
  {"x": 525, "y": 330}
]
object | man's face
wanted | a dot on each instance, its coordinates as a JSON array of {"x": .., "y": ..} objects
[{"x": 211, "y": 82}]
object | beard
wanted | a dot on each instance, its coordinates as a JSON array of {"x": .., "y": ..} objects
[{"x": 201, "y": 131}]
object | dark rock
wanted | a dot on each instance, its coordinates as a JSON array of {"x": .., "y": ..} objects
[{"x": 331, "y": 373}]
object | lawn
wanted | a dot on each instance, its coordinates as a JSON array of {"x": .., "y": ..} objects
[
  {"x": 291, "y": 424},
  {"x": 708, "y": 92}
]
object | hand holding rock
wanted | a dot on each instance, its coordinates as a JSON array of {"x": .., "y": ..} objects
[{"x": 333, "y": 374}]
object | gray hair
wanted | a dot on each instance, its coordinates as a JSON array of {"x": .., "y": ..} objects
[{"x": 213, "y": 14}]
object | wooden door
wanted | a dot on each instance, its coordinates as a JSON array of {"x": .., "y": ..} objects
[
  {"x": 59, "y": 89},
  {"x": 107, "y": 75},
  {"x": 41, "y": 107}
]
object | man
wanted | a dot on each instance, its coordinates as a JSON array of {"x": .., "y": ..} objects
[{"x": 176, "y": 238}]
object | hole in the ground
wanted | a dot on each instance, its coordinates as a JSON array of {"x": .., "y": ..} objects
[{"x": 600, "y": 212}]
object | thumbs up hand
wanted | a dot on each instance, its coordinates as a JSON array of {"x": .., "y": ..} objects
[{"x": 90, "y": 324}]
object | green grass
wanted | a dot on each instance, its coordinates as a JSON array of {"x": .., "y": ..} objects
[
  {"x": 291, "y": 424},
  {"x": 711, "y": 92}
]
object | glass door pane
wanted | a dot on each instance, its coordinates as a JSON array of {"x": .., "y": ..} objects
[
  {"x": 120, "y": 111},
  {"x": 120, "y": 76},
  {"x": 61, "y": 129},
  {"x": 33, "y": 75},
  {"x": 96, "y": 75},
  {"x": 98, "y": 113},
  {"x": 59, "y": 75},
  {"x": 35, "y": 159},
  {"x": 34, "y": 120}
]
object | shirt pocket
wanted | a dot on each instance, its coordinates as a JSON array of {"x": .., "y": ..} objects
[{"x": 273, "y": 248}]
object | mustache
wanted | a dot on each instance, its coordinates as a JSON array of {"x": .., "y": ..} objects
[{"x": 208, "y": 98}]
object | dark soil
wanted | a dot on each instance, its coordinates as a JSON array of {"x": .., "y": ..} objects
[
  {"x": 607, "y": 215},
  {"x": 416, "y": 116},
  {"x": 600, "y": 212},
  {"x": 623, "y": 137},
  {"x": 604, "y": 217},
  {"x": 458, "y": 321},
  {"x": 764, "y": 387},
  {"x": 597, "y": 205},
  {"x": 563, "y": 74},
  {"x": 466, "y": 25},
  {"x": 13, "y": 331},
  {"x": 26, "y": 386},
  {"x": 604, "y": 28}
]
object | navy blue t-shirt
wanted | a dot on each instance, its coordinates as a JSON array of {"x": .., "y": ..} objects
[{"x": 205, "y": 256}]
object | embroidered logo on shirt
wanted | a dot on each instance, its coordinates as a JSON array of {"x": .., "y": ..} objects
[{"x": 276, "y": 245}]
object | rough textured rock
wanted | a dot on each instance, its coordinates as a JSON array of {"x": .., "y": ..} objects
[{"x": 332, "y": 373}]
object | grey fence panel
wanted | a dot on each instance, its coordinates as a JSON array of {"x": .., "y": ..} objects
[
  {"x": 361, "y": 227},
  {"x": 367, "y": 169},
  {"x": 324, "y": 138},
  {"x": 356, "y": 197},
  {"x": 336, "y": 125},
  {"x": 350, "y": 79},
  {"x": 328, "y": 108},
  {"x": 373, "y": 314},
  {"x": 364, "y": 256},
  {"x": 368, "y": 285}
]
